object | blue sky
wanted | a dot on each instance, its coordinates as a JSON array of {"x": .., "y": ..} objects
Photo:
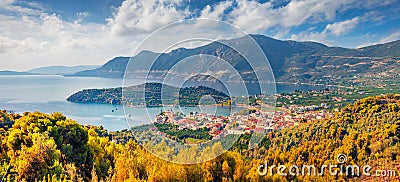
[{"x": 72, "y": 32}]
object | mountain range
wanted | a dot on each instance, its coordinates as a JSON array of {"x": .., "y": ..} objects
[
  {"x": 61, "y": 70},
  {"x": 51, "y": 70},
  {"x": 291, "y": 61}
]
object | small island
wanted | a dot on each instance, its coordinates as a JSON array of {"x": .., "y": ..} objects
[{"x": 155, "y": 94}]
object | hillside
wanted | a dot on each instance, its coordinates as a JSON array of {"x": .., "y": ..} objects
[
  {"x": 291, "y": 61},
  {"x": 188, "y": 96},
  {"x": 53, "y": 148}
]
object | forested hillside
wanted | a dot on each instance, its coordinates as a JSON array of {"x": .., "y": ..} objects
[
  {"x": 186, "y": 96},
  {"x": 53, "y": 148}
]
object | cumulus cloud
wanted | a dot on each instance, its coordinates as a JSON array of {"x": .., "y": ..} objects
[
  {"x": 215, "y": 12},
  {"x": 342, "y": 27},
  {"x": 28, "y": 41},
  {"x": 297, "y": 12},
  {"x": 253, "y": 16},
  {"x": 257, "y": 17},
  {"x": 333, "y": 29},
  {"x": 136, "y": 17}
]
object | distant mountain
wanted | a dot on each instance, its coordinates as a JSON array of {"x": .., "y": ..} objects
[
  {"x": 291, "y": 61},
  {"x": 114, "y": 69},
  {"x": 7, "y": 72},
  {"x": 61, "y": 70}
]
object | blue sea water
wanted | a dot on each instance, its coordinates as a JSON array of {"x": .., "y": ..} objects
[{"x": 48, "y": 93}]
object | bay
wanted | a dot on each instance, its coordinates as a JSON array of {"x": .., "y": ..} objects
[{"x": 48, "y": 93}]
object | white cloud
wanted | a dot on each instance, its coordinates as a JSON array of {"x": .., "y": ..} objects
[
  {"x": 297, "y": 12},
  {"x": 52, "y": 23},
  {"x": 252, "y": 16},
  {"x": 137, "y": 17},
  {"x": 31, "y": 8},
  {"x": 81, "y": 16},
  {"x": 257, "y": 17},
  {"x": 311, "y": 35},
  {"x": 334, "y": 29},
  {"x": 342, "y": 27},
  {"x": 389, "y": 38},
  {"x": 31, "y": 37},
  {"x": 46, "y": 39},
  {"x": 28, "y": 41},
  {"x": 6, "y": 43},
  {"x": 392, "y": 37},
  {"x": 215, "y": 12},
  {"x": 281, "y": 33},
  {"x": 371, "y": 4}
]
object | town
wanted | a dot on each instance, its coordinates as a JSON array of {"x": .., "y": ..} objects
[{"x": 254, "y": 121}]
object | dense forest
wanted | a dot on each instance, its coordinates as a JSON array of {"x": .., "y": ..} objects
[{"x": 49, "y": 147}]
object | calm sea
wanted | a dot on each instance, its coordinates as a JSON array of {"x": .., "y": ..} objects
[{"x": 48, "y": 93}]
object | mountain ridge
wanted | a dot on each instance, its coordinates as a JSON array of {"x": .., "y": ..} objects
[{"x": 290, "y": 60}]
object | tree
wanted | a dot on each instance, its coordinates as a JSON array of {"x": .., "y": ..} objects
[
  {"x": 39, "y": 160},
  {"x": 72, "y": 141},
  {"x": 225, "y": 171}
]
